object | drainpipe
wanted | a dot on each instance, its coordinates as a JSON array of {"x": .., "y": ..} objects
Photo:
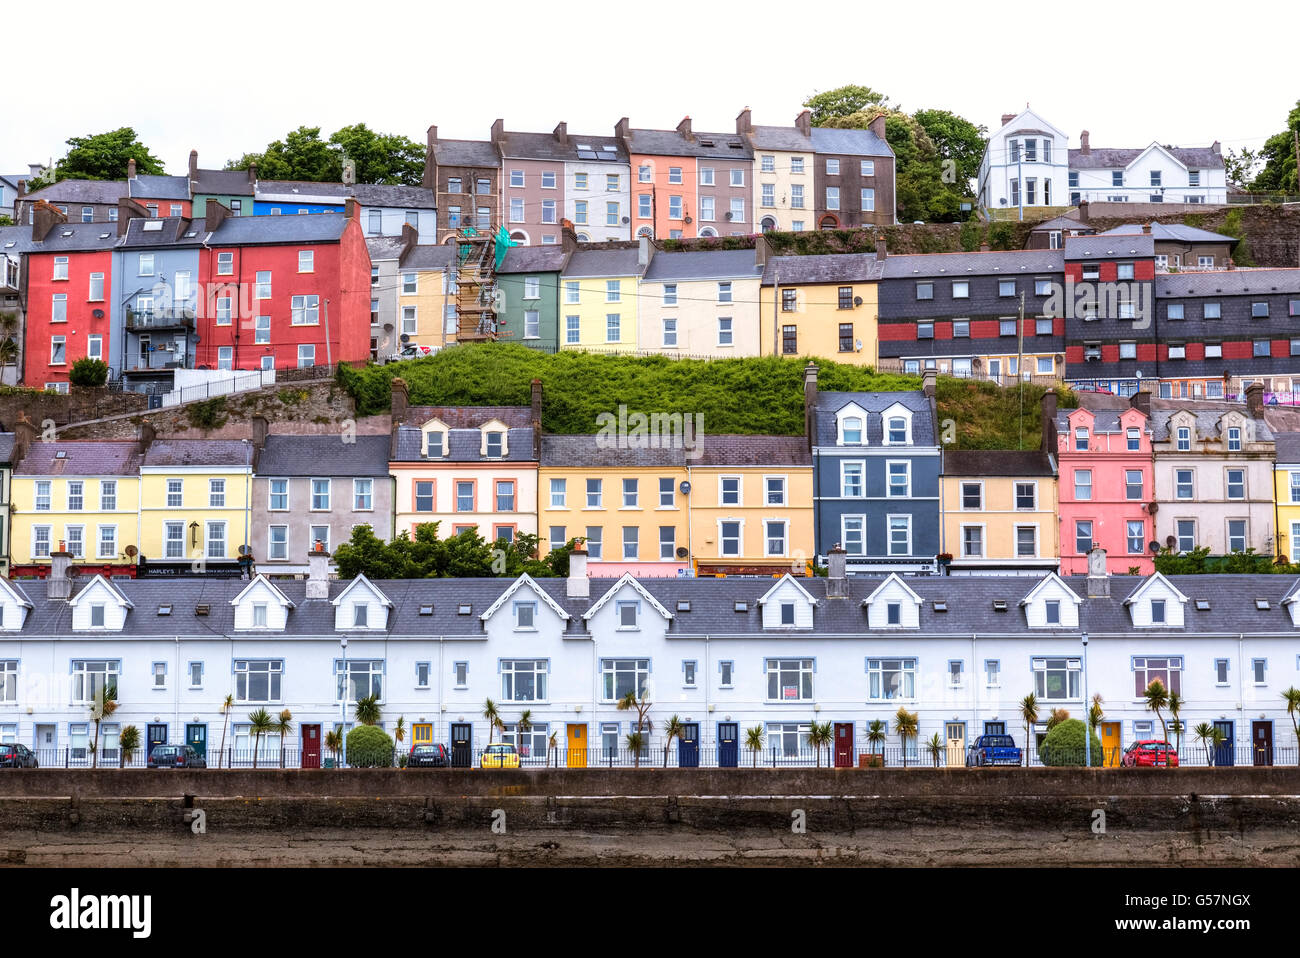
[
  {"x": 974, "y": 666},
  {"x": 176, "y": 685}
]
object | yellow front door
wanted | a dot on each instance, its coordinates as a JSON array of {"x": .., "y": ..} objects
[
  {"x": 577, "y": 757},
  {"x": 422, "y": 734},
  {"x": 1110, "y": 743},
  {"x": 955, "y": 734}
]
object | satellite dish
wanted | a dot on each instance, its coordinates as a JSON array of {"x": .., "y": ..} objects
[
  {"x": 131, "y": 551},
  {"x": 727, "y": 215},
  {"x": 1170, "y": 541},
  {"x": 857, "y": 300},
  {"x": 97, "y": 313},
  {"x": 687, "y": 220},
  {"x": 406, "y": 337},
  {"x": 245, "y": 549},
  {"x": 681, "y": 552},
  {"x": 1153, "y": 546},
  {"x": 388, "y": 327},
  {"x": 626, "y": 220}
]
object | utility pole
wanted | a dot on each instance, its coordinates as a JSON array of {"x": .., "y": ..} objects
[{"x": 1020, "y": 358}]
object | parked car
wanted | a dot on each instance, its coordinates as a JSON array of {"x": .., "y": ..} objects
[
  {"x": 1150, "y": 752},
  {"x": 13, "y": 755},
  {"x": 429, "y": 756},
  {"x": 500, "y": 756},
  {"x": 413, "y": 351},
  {"x": 993, "y": 750},
  {"x": 175, "y": 756}
]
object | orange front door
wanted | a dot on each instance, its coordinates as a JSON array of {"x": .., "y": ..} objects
[{"x": 577, "y": 736}]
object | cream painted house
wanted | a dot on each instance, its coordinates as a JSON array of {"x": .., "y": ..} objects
[{"x": 701, "y": 303}]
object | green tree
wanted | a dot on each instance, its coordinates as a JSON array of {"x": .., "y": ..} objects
[
  {"x": 876, "y": 738},
  {"x": 935, "y": 747},
  {"x": 260, "y": 723},
  {"x": 1240, "y": 166},
  {"x": 820, "y": 736},
  {"x": 1292, "y": 698},
  {"x": 301, "y": 155},
  {"x": 522, "y": 728},
  {"x": 284, "y": 728},
  {"x": 1064, "y": 745},
  {"x": 1211, "y": 737},
  {"x": 552, "y": 744},
  {"x": 367, "y": 710},
  {"x": 100, "y": 156},
  {"x": 1057, "y": 717},
  {"x": 1157, "y": 699},
  {"x": 127, "y": 742},
  {"x": 493, "y": 716},
  {"x": 957, "y": 139},
  {"x": 1176, "y": 723},
  {"x": 8, "y": 337},
  {"x": 1278, "y": 157},
  {"x": 387, "y": 158},
  {"x": 673, "y": 728},
  {"x": 334, "y": 742},
  {"x": 905, "y": 724},
  {"x": 88, "y": 372},
  {"x": 226, "y": 706},
  {"x": 399, "y": 731},
  {"x": 6, "y": 220},
  {"x": 635, "y": 743},
  {"x": 102, "y": 706},
  {"x": 1028, "y": 712},
  {"x": 641, "y": 706},
  {"x": 754, "y": 741},
  {"x": 369, "y": 747},
  {"x": 845, "y": 101}
]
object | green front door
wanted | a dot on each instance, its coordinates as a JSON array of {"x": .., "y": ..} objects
[{"x": 196, "y": 736}]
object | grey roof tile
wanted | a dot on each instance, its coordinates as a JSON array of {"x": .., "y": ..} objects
[
  {"x": 303, "y": 228},
  {"x": 672, "y": 143},
  {"x": 199, "y": 452},
  {"x": 534, "y": 259},
  {"x": 397, "y": 196},
  {"x": 1176, "y": 232},
  {"x": 740, "y": 450},
  {"x": 1112, "y": 246},
  {"x": 930, "y": 265},
  {"x": 823, "y": 268},
  {"x": 544, "y": 146},
  {"x": 469, "y": 417},
  {"x": 787, "y": 138},
  {"x": 465, "y": 445},
  {"x": 703, "y": 264},
  {"x": 480, "y": 153},
  {"x": 1207, "y": 423},
  {"x": 80, "y": 458},
  {"x": 224, "y": 183},
  {"x": 1101, "y": 158},
  {"x": 384, "y": 247},
  {"x": 165, "y": 231},
  {"x": 148, "y": 186},
  {"x": 850, "y": 142},
  {"x": 602, "y": 262},
  {"x": 429, "y": 256},
  {"x": 71, "y": 237},
  {"x": 596, "y": 451},
  {"x": 996, "y": 462},
  {"x": 1231, "y": 282},
  {"x": 106, "y": 192},
  {"x": 829, "y": 403},
  {"x": 324, "y": 456},
  {"x": 1288, "y": 447}
]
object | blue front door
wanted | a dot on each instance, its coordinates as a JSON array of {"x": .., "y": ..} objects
[
  {"x": 688, "y": 746},
  {"x": 1223, "y": 755},
  {"x": 728, "y": 744},
  {"x": 157, "y": 735},
  {"x": 196, "y": 736}
]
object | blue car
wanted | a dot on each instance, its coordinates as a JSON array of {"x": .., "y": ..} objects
[{"x": 993, "y": 750}]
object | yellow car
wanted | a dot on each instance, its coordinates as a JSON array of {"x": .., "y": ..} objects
[{"x": 500, "y": 756}]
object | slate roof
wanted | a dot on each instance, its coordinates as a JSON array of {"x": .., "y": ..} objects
[
  {"x": 1109, "y": 246},
  {"x": 1103, "y": 158},
  {"x": 172, "y": 232},
  {"x": 335, "y": 192},
  {"x": 148, "y": 186},
  {"x": 600, "y": 452},
  {"x": 1288, "y": 447},
  {"x": 397, "y": 195},
  {"x": 1104, "y": 420},
  {"x": 1176, "y": 232},
  {"x": 997, "y": 462},
  {"x": 71, "y": 237},
  {"x": 469, "y": 417},
  {"x": 1207, "y": 423},
  {"x": 604, "y": 262},
  {"x": 465, "y": 445},
  {"x": 534, "y": 259},
  {"x": 921, "y": 265},
  {"x": 829, "y": 403},
  {"x": 672, "y": 143},
  {"x": 106, "y": 192},
  {"x": 384, "y": 247},
  {"x": 969, "y": 600},
  {"x": 780, "y": 138},
  {"x": 1070, "y": 223},
  {"x": 19, "y": 236},
  {"x": 1232, "y": 282},
  {"x": 823, "y": 268},
  {"x": 466, "y": 153},
  {"x": 6, "y": 446},
  {"x": 852, "y": 142},
  {"x": 429, "y": 256},
  {"x": 224, "y": 183},
  {"x": 199, "y": 452},
  {"x": 544, "y": 146},
  {"x": 99, "y": 458},
  {"x": 303, "y": 228},
  {"x": 323, "y": 456},
  {"x": 738, "y": 450},
  {"x": 703, "y": 264}
]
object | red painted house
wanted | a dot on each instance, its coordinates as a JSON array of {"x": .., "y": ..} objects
[
  {"x": 281, "y": 292},
  {"x": 69, "y": 291}
]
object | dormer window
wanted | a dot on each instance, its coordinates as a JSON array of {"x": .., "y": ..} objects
[
  {"x": 627, "y": 615},
  {"x": 1053, "y": 609},
  {"x": 851, "y": 431},
  {"x": 360, "y": 612},
  {"x": 1157, "y": 611},
  {"x": 897, "y": 430},
  {"x": 525, "y": 615},
  {"x": 437, "y": 449},
  {"x": 1234, "y": 439},
  {"x": 787, "y": 613},
  {"x": 1081, "y": 439},
  {"x": 495, "y": 444},
  {"x": 259, "y": 615}
]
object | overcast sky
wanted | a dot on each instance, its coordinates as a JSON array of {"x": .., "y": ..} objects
[{"x": 228, "y": 79}]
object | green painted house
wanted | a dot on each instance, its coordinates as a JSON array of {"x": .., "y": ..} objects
[
  {"x": 529, "y": 281},
  {"x": 233, "y": 189}
]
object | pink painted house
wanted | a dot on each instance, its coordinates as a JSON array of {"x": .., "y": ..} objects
[{"x": 1107, "y": 487}]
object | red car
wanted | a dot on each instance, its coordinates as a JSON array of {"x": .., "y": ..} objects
[{"x": 1152, "y": 752}]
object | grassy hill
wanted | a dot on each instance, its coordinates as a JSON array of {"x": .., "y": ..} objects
[{"x": 760, "y": 395}]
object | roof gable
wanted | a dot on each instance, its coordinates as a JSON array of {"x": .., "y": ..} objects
[
  {"x": 524, "y": 580},
  {"x": 627, "y": 580}
]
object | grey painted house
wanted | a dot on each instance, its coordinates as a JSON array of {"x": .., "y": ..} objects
[{"x": 309, "y": 488}]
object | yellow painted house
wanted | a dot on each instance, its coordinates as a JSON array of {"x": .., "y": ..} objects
[
  {"x": 751, "y": 505},
  {"x": 1286, "y": 475},
  {"x": 83, "y": 497},
  {"x": 426, "y": 295},
  {"x": 625, "y": 498},
  {"x": 599, "y": 299},
  {"x": 701, "y": 303},
  {"x": 195, "y": 496},
  {"x": 823, "y": 305},
  {"x": 999, "y": 512},
  {"x": 783, "y": 175}
]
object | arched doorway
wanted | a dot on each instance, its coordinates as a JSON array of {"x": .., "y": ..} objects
[{"x": 767, "y": 224}]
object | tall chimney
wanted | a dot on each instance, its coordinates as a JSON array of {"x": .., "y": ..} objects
[
  {"x": 684, "y": 128},
  {"x": 578, "y": 586},
  {"x": 1216, "y": 147},
  {"x": 260, "y": 430},
  {"x": 130, "y": 169},
  {"x": 561, "y": 133},
  {"x": 743, "y": 122},
  {"x": 498, "y": 132},
  {"x": 881, "y": 252},
  {"x": 194, "y": 168},
  {"x": 810, "y": 403},
  {"x": 1049, "y": 421},
  {"x": 318, "y": 571},
  {"x": 147, "y": 435},
  {"x": 929, "y": 382},
  {"x": 643, "y": 252},
  {"x": 1141, "y": 401},
  {"x": 1255, "y": 399},
  {"x": 1084, "y": 148},
  {"x": 410, "y": 237},
  {"x": 214, "y": 214},
  {"x": 59, "y": 583},
  {"x": 127, "y": 210},
  {"x": 429, "y": 180},
  {"x": 837, "y": 581},
  {"x": 400, "y": 399},
  {"x": 350, "y": 207},
  {"x": 24, "y": 436},
  {"x": 877, "y": 126},
  {"x": 622, "y": 131},
  {"x": 1007, "y": 118},
  {"x": 803, "y": 122},
  {"x": 1098, "y": 576},
  {"x": 21, "y": 189},
  {"x": 44, "y": 219},
  {"x": 252, "y": 173}
]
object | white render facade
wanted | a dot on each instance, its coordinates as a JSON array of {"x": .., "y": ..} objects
[
  {"x": 1025, "y": 163},
  {"x": 1155, "y": 175},
  {"x": 606, "y": 194},
  {"x": 723, "y": 656}
]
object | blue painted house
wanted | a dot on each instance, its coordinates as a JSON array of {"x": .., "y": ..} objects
[
  {"x": 290, "y": 197},
  {"x": 876, "y": 467}
]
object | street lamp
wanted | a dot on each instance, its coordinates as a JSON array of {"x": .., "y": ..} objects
[
  {"x": 343, "y": 705},
  {"x": 1087, "y": 729}
]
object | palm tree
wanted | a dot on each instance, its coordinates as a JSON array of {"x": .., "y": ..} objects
[
  {"x": 754, "y": 741},
  {"x": 935, "y": 747},
  {"x": 1029, "y": 712},
  {"x": 1210, "y": 737},
  {"x": 552, "y": 744},
  {"x": 493, "y": 717},
  {"x": 672, "y": 729},
  {"x": 285, "y": 728},
  {"x": 642, "y": 706},
  {"x": 1057, "y": 717},
  {"x": 367, "y": 710},
  {"x": 399, "y": 732},
  {"x": 226, "y": 706},
  {"x": 820, "y": 735},
  {"x": 1095, "y": 711},
  {"x": 635, "y": 742},
  {"x": 876, "y": 738},
  {"x": 905, "y": 724},
  {"x": 1175, "y": 706},
  {"x": 101, "y": 707},
  {"x": 260, "y": 723},
  {"x": 127, "y": 742},
  {"x": 1292, "y": 698},
  {"x": 334, "y": 742},
  {"x": 522, "y": 728},
  {"x": 1157, "y": 698}
]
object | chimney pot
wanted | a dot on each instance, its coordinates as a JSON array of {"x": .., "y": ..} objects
[
  {"x": 400, "y": 394},
  {"x": 1146, "y": 229},
  {"x": 1255, "y": 400},
  {"x": 1084, "y": 146},
  {"x": 881, "y": 251},
  {"x": 130, "y": 169},
  {"x": 803, "y": 122},
  {"x": 1141, "y": 401},
  {"x": 578, "y": 585},
  {"x": 929, "y": 382},
  {"x": 318, "y": 572}
]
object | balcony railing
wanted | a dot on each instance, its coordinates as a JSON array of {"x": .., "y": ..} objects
[{"x": 174, "y": 318}]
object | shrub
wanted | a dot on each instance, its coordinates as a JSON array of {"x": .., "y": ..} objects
[
  {"x": 1064, "y": 745},
  {"x": 88, "y": 372},
  {"x": 207, "y": 415},
  {"x": 369, "y": 746}
]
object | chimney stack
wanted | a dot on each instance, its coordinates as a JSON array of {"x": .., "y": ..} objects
[
  {"x": 410, "y": 237},
  {"x": 127, "y": 210},
  {"x": 400, "y": 400},
  {"x": 350, "y": 207},
  {"x": 877, "y": 126},
  {"x": 1098, "y": 576},
  {"x": 837, "y": 581},
  {"x": 929, "y": 382},
  {"x": 1084, "y": 148},
  {"x": 810, "y": 403},
  {"x": 1049, "y": 421},
  {"x": 214, "y": 214},
  {"x": 252, "y": 173},
  {"x": 130, "y": 169},
  {"x": 643, "y": 253},
  {"x": 684, "y": 128},
  {"x": 1255, "y": 400},
  {"x": 535, "y": 417},
  {"x": 260, "y": 430},
  {"x": 568, "y": 238},
  {"x": 147, "y": 435},
  {"x": 318, "y": 571},
  {"x": 743, "y": 122},
  {"x": 1141, "y": 401},
  {"x": 622, "y": 131},
  {"x": 498, "y": 134},
  {"x": 578, "y": 586},
  {"x": 803, "y": 122},
  {"x": 1146, "y": 229},
  {"x": 984, "y": 247},
  {"x": 881, "y": 251},
  {"x": 21, "y": 189},
  {"x": 194, "y": 168},
  {"x": 44, "y": 220},
  {"x": 24, "y": 436},
  {"x": 429, "y": 180},
  {"x": 59, "y": 583},
  {"x": 561, "y": 133},
  {"x": 1007, "y": 118},
  {"x": 1216, "y": 147}
]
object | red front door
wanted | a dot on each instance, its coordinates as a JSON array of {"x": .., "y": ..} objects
[
  {"x": 843, "y": 744},
  {"x": 311, "y": 746}
]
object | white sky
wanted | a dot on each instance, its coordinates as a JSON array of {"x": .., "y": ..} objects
[{"x": 1124, "y": 73}]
